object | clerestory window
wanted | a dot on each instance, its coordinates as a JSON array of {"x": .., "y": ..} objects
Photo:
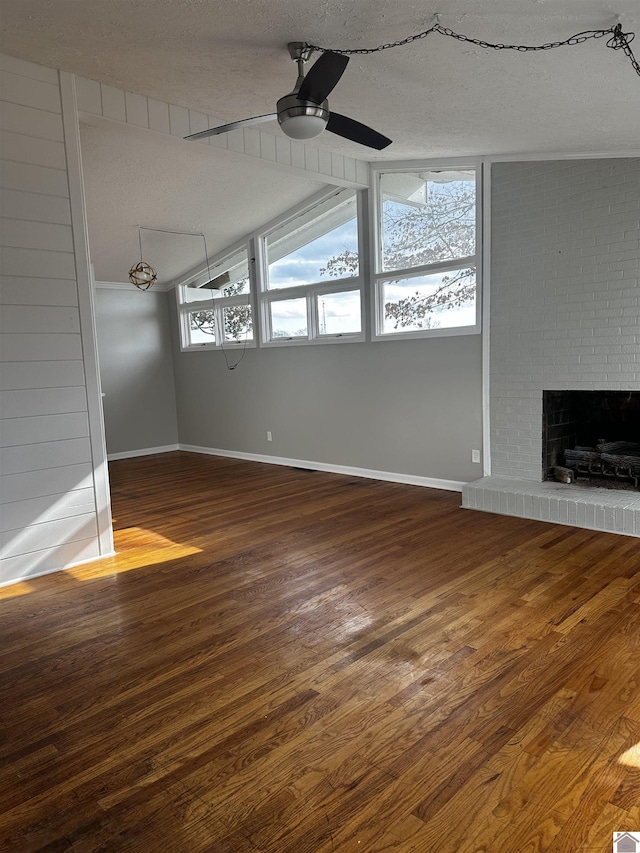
[
  {"x": 215, "y": 309},
  {"x": 408, "y": 250},
  {"x": 426, "y": 252},
  {"x": 311, "y": 284}
]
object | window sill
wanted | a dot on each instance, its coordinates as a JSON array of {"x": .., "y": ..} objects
[
  {"x": 456, "y": 331},
  {"x": 305, "y": 342}
]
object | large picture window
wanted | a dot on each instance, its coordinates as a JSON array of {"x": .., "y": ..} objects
[
  {"x": 215, "y": 310},
  {"x": 311, "y": 274},
  {"x": 426, "y": 252},
  {"x": 408, "y": 251}
]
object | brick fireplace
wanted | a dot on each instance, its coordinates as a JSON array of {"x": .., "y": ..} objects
[{"x": 565, "y": 317}]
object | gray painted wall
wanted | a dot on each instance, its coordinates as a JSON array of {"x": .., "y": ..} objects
[
  {"x": 136, "y": 369},
  {"x": 408, "y": 407}
]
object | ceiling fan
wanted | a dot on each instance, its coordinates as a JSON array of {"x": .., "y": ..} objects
[{"x": 304, "y": 112}]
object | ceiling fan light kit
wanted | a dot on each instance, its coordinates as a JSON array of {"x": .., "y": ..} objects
[{"x": 302, "y": 119}]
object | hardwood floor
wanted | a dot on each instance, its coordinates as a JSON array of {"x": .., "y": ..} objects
[{"x": 284, "y": 661}]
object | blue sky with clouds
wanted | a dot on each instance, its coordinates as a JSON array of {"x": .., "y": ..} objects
[{"x": 303, "y": 266}]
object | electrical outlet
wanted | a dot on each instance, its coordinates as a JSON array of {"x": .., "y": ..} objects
[
  {"x": 270, "y": 437},
  {"x": 475, "y": 456}
]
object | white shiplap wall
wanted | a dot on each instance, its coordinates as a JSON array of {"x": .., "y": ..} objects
[{"x": 48, "y": 508}]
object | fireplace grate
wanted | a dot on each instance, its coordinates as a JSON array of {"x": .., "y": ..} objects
[{"x": 613, "y": 460}]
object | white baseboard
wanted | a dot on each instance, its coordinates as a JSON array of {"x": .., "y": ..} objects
[
  {"x": 146, "y": 451},
  {"x": 388, "y": 476},
  {"x": 44, "y": 572}
]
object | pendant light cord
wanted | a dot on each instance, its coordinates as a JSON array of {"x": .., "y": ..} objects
[
  {"x": 617, "y": 41},
  {"x": 142, "y": 228}
]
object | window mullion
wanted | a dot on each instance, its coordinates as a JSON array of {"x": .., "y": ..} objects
[
  {"x": 426, "y": 269},
  {"x": 313, "y": 329}
]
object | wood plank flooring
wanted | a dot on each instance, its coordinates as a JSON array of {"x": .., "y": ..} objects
[{"x": 285, "y": 661}]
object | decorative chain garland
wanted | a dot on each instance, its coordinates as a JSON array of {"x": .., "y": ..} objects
[{"x": 617, "y": 41}]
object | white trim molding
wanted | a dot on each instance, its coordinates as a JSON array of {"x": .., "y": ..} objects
[
  {"x": 84, "y": 279},
  {"x": 348, "y": 470},
  {"x": 145, "y": 451},
  {"x": 122, "y": 285}
]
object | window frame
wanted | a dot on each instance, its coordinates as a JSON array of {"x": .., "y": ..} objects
[
  {"x": 378, "y": 277},
  {"x": 216, "y": 304},
  {"x": 311, "y": 291}
]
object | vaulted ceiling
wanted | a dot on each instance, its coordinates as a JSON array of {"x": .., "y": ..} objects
[{"x": 434, "y": 97}]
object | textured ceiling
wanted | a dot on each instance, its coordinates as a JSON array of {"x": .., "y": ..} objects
[{"x": 435, "y": 97}]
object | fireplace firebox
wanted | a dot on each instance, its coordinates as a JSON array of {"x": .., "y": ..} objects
[{"x": 592, "y": 437}]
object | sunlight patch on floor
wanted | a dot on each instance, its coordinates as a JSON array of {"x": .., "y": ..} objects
[
  {"x": 14, "y": 590},
  {"x": 631, "y": 758},
  {"x": 136, "y": 548}
]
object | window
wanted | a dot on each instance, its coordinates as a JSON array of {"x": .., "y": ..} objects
[
  {"x": 426, "y": 257},
  {"x": 215, "y": 308},
  {"x": 311, "y": 288},
  {"x": 408, "y": 251}
]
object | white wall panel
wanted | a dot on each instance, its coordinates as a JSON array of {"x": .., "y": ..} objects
[
  {"x": 31, "y": 122},
  {"x": 32, "y": 178},
  {"x": 21, "y": 290},
  {"x": 89, "y": 96},
  {"x": 49, "y": 508},
  {"x": 22, "y": 347},
  {"x": 42, "y": 562},
  {"x": 29, "y": 430},
  {"x": 268, "y": 147},
  {"x": 26, "y": 234},
  {"x": 35, "y": 206},
  {"x": 28, "y": 69},
  {"x": 34, "y": 374},
  {"x": 14, "y": 543},
  {"x": 113, "y": 103},
  {"x": 198, "y": 121},
  {"x": 159, "y": 116},
  {"x": 136, "y": 106},
  {"x": 325, "y": 162},
  {"x": 28, "y": 149},
  {"x": 27, "y": 92},
  {"x": 34, "y": 402},
  {"x": 40, "y": 457},
  {"x": 44, "y": 318},
  {"x": 38, "y": 263},
  {"x": 178, "y": 120},
  {"x": 312, "y": 159},
  {"x": 32, "y": 484}
]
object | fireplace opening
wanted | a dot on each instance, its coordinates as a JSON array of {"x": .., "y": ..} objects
[{"x": 592, "y": 437}]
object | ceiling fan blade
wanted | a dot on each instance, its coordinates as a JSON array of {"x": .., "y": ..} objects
[
  {"x": 234, "y": 125},
  {"x": 356, "y": 132},
  {"x": 323, "y": 75}
]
